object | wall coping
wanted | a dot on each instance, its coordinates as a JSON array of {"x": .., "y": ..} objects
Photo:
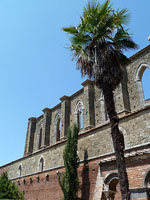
[{"x": 142, "y": 51}]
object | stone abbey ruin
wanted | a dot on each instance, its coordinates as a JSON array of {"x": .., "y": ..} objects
[{"x": 36, "y": 172}]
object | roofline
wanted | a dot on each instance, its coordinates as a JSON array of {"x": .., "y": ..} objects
[{"x": 146, "y": 49}]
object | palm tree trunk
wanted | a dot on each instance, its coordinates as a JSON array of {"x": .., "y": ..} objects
[{"x": 118, "y": 141}]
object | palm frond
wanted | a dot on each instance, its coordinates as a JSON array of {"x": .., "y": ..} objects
[
  {"x": 122, "y": 17},
  {"x": 127, "y": 43},
  {"x": 99, "y": 40},
  {"x": 123, "y": 40},
  {"x": 71, "y": 30},
  {"x": 105, "y": 8},
  {"x": 80, "y": 40},
  {"x": 78, "y": 52}
]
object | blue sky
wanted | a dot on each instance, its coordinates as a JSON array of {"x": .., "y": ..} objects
[{"x": 36, "y": 68}]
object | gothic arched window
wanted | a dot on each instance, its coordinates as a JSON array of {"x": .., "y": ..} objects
[
  {"x": 145, "y": 81},
  {"x": 142, "y": 80},
  {"x": 40, "y": 139},
  {"x": 41, "y": 165},
  {"x": 79, "y": 114},
  {"x": 57, "y": 126},
  {"x": 80, "y": 118},
  {"x": 103, "y": 110},
  {"x": 19, "y": 170},
  {"x": 58, "y": 129}
]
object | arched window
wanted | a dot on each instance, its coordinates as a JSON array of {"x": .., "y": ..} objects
[
  {"x": 114, "y": 189},
  {"x": 19, "y": 170},
  {"x": 80, "y": 118},
  {"x": 79, "y": 114},
  {"x": 111, "y": 187},
  {"x": 58, "y": 129},
  {"x": 41, "y": 165},
  {"x": 103, "y": 110},
  {"x": 57, "y": 126},
  {"x": 142, "y": 80},
  {"x": 125, "y": 137},
  {"x": 146, "y": 83},
  {"x": 40, "y": 139}
]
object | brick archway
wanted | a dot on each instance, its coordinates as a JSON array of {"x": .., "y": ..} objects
[{"x": 111, "y": 187}]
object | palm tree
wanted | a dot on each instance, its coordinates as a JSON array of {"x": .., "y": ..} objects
[{"x": 97, "y": 44}]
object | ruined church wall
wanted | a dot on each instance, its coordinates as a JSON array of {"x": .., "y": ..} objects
[
  {"x": 95, "y": 143},
  {"x": 135, "y": 71},
  {"x": 94, "y": 138}
]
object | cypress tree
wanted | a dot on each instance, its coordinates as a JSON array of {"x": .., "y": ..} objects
[
  {"x": 69, "y": 179},
  {"x": 8, "y": 189}
]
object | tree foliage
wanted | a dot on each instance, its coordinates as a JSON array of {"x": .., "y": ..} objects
[
  {"x": 69, "y": 179},
  {"x": 98, "y": 43},
  {"x": 8, "y": 189}
]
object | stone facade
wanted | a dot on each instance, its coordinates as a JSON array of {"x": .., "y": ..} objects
[{"x": 36, "y": 172}]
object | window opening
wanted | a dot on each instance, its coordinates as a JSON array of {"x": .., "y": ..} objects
[
  {"x": 58, "y": 129},
  {"x": 114, "y": 189},
  {"x": 20, "y": 170},
  {"x": 40, "y": 139},
  {"x": 80, "y": 118},
  {"x": 79, "y": 114},
  {"x": 111, "y": 187},
  {"x": 41, "y": 164},
  {"x": 146, "y": 83},
  {"x": 106, "y": 113}
]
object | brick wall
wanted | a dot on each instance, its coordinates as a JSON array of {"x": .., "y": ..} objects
[{"x": 87, "y": 173}]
